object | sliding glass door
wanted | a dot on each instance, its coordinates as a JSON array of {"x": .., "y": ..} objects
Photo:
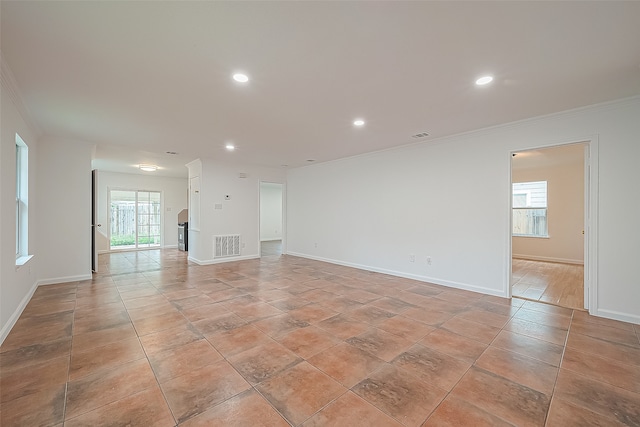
[{"x": 134, "y": 219}]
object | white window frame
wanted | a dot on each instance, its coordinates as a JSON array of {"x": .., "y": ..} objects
[{"x": 22, "y": 202}]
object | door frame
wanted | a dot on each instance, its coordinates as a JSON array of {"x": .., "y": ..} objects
[
  {"x": 590, "y": 210},
  {"x": 284, "y": 214},
  {"x": 94, "y": 220}
]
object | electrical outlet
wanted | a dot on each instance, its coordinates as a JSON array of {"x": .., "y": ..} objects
[
  {"x": 412, "y": 258},
  {"x": 315, "y": 245},
  {"x": 428, "y": 260}
]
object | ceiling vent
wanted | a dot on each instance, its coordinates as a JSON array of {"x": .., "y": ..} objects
[{"x": 420, "y": 135}]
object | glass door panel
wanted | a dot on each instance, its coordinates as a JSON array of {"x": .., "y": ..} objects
[{"x": 135, "y": 219}]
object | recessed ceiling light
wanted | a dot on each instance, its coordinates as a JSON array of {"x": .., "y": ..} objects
[
  {"x": 230, "y": 147},
  {"x": 358, "y": 122},
  {"x": 242, "y": 78},
  {"x": 484, "y": 80},
  {"x": 311, "y": 160},
  {"x": 148, "y": 168}
]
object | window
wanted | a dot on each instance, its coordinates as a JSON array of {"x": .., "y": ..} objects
[
  {"x": 22, "y": 201},
  {"x": 134, "y": 219},
  {"x": 530, "y": 209}
]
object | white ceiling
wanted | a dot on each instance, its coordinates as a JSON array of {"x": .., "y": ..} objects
[{"x": 142, "y": 78}]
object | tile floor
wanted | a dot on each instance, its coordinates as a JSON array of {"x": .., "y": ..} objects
[
  {"x": 155, "y": 341},
  {"x": 550, "y": 282}
]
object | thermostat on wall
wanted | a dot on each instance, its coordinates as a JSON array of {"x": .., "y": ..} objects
[{"x": 227, "y": 197}]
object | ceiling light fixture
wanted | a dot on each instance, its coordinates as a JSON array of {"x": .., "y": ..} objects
[
  {"x": 358, "y": 122},
  {"x": 230, "y": 147},
  {"x": 148, "y": 168},
  {"x": 241, "y": 78},
  {"x": 484, "y": 80}
]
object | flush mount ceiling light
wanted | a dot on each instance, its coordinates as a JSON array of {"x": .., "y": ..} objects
[
  {"x": 240, "y": 77},
  {"x": 230, "y": 147},
  {"x": 358, "y": 122},
  {"x": 484, "y": 80},
  {"x": 148, "y": 168}
]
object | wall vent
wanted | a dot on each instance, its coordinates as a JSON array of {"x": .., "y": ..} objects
[
  {"x": 420, "y": 135},
  {"x": 226, "y": 246}
]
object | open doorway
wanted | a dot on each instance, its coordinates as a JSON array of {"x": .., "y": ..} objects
[
  {"x": 549, "y": 211},
  {"x": 271, "y": 219}
]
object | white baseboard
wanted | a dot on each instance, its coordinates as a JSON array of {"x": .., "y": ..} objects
[
  {"x": 16, "y": 314},
  {"x": 616, "y": 315},
  {"x": 222, "y": 260},
  {"x": 66, "y": 279},
  {"x": 275, "y": 239},
  {"x": 170, "y": 246},
  {"x": 549, "y": 259},
  {"x": 436, "y": 281}
]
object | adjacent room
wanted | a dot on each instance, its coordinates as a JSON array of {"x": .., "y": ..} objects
[
  {"x": 549, "y": 225},
  {"x": 319, "y": 213}
]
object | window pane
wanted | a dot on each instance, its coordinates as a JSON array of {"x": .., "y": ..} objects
[
  {"x": 530, "y": 222},
  {"x": 131, "y": 213},
  {"x": 530, "y": 208},
  {"x": 530, "y": 194}
]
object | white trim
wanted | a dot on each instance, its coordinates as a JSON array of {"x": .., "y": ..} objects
[
  {"x": 17, "y": 313},
  {"x": 591, "y": 228},
  {"x": 22, "y": 260},
  {"x": 66, "y": 279},
  {"x": 170, "y": 246},
  {"x": 436, "y": 281},
  {"x": 222, "y": 260},
  {"x": 549, "y": 259},
  {"x": 616, "y": 315}
]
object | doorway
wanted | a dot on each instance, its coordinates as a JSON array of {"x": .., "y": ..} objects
[
  {"x": 549, "y": 204},
  {"x": 134, "y": 219},
  {"x": 271, "y": 219}
]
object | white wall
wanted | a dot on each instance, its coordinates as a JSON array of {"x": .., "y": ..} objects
[
  {"x": 64, "y": 217},
  {"x": 565, "y": 214},
  {"x": 270, "y": 211},
  {"x": 238, "y": 215},
  {"x": 449, "y": 199},
  {"x": 16, "y": 284},
  {"x": 173, "y": 200}
]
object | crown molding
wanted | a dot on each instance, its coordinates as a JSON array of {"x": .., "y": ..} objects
[{"x": 9, "y": 85}]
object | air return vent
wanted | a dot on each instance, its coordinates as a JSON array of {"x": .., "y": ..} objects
[
  {"x": 420, "y": 135},
  {"x": 226, "y": 246}
]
